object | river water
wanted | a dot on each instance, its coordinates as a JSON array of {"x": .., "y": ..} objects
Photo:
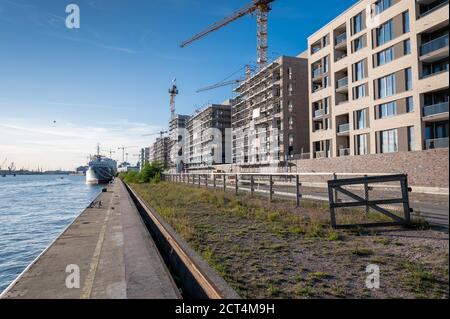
[{"x": 34, "y": 210}]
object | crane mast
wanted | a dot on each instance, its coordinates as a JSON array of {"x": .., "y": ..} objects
[{"x": 173, "y": 91}]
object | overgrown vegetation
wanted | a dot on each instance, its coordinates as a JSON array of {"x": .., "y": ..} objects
[
  {"x": 150, "y": 173},
  {"x": 274, "y": 250}
]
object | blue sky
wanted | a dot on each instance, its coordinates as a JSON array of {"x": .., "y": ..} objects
[{"x": 107, "y": 82}]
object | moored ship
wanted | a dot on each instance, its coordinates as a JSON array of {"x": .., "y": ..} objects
[{"x": 101, "y": 169}]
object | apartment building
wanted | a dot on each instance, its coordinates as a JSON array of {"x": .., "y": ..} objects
[
  {"x": 145, "y": 156},
  {"x": 269, "y": 113},
  {"x": 207, "y": 142},
  {"x": 161, "y": 148},
  {"x": 379, "y": 79},
  {"x": 177, "y": 129}
]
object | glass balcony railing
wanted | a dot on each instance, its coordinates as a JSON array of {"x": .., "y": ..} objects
[
  {"x": 436, "y": 143},
  {"x": 344, "y": 152},
  {"x": 435, "y": 109},
  {"x": 434, "y": 45},
  {"x": 341, "y": 38},
  {"x": 318, "y": 113},
  {"x": 317, "y": 72},
  {"x": 342, "y": 82},
  {"x": 344, "y": 128}
]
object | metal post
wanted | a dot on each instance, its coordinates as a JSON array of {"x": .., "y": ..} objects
[
  {"x": 214, "y": 181},
  {"x": 199, "y": 180},
  {"x": 236, "y": 187},
  {"x": 335, "y": 191},
  {"x": 252, "y": 185},
  {"x": 297, "y": 190},
  {"x": 270, "y": 187},
  {"x": 206, "y": 180},
  {"x": 224, "y": 183}
]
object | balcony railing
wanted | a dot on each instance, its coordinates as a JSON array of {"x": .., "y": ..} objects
[
  {"x": 344, "y": 128},
  {"x": 342, "y": 82},
  {"x": 435, "y": 109},
  {"x": 436, "y": 143},
  {"x": 434, "y": 45},
  {"x": 321, "y": 154},
  {"x": 318, "y": 113},
  {"x": 344, "y": 152},
  {"x": 317, "y": 72},
  {"x": 341, "y": 38},
  {"x": 432, "y": 9}
]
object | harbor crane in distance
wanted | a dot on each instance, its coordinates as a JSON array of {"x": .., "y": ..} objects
[
  {"x": 123, "y": 148},
  {"x": 261, "y": 8}
]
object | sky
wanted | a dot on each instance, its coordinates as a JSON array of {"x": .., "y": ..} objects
[{"x": 64, "y": 90}]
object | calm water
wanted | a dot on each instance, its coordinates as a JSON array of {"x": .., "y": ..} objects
[{"x": 34, "y": 210}]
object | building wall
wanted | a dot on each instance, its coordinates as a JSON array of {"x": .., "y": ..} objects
[
  {"x": 342, "y": 112},
  {"x": 424, "y": 168}
]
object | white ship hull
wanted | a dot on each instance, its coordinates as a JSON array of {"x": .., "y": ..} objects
[{"x": 98, "y": 175}]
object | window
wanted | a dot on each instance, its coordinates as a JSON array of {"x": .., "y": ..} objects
[
  {"x": 408, "y": 79},
  {"x": 361, "y": 119},
  {"x": 411, "y": 138},
  {"x": 357, "y": 23},
  {"x": 359, "y": 44},
  {"x": 360, "y": 92},
  {"x": 291, "y": 140},
  {"x": 290, "y": 107},
  {"x": 289, "y": 70},
  {"x": 291, "y": 89},
  {"x": 291, "y": 123},
  {"x": 386, "y": 86},
  {"x": 382, "y": 5},
  {"x": 407, "y": 47},
  {"x": 387, "y": 110},
  {"x": 409, "y": 104},
  {"x": 361, "y": 144},
  {"x": 325, "y": 64},
  {"x": 405, "y": 21},
  {"x": 359, "y": 70},
  {"x": 389, "y": 141},
  {"x": 384, "y": 33},
  {"x": 385, "y": 56}
]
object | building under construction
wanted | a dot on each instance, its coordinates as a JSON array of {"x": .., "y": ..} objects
[
  {"x": 206, "y": 143},
  {"x": 161, "y": 150},
  {"x": 270, "y": 113},
  {"x": 177, "y": 132}
]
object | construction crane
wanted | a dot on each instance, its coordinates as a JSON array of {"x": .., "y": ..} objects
[
  {"x": 261, "y": 8},
  {"x": 4, "y": 162},
  {"x": 110, "y": 151},
  {"x": 123, "y": 148},
  {"x": 173, "y": 91},
  {"x": 161, "y": 134},
  {"x": 227, "y": 81}
]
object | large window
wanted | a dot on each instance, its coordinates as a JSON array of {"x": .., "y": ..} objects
[
  {"x": 407, "y": 47},
  {"x": 409, "y": 104},
  {"x": 361, "y": 144},
  {"x": 384, "y": 33},
  {"x": 359, "y": 44},
  {"x": 386, "y": 86},
  {"x": 405, "y": 21},
  {"x": 382, "y": 5},
  {"x": 411, "y": 139},
  {"x": 389, "y": 141},
  {"x": 408, "y": 78},
  {"x": 359, "y": 92},
  {"x": 385, "y": 56},
  {"x": 357, "y": 23},
  {"x": 361, "y": 119},
  {"x": 359, "y": 70},
  {"x": 387, "y": 110}
]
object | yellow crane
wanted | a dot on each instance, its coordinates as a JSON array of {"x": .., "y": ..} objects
[{"x": 261, "y": 8}]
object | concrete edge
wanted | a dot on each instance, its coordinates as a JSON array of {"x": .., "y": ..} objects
[
  {"x": 15, "y": 281},
  {"x": 225, "y": 289}
]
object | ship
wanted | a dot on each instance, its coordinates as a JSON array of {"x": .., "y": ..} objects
[{"x": 101, "y": 169}]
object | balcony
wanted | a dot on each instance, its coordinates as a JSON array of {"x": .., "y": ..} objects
[
  {"x": 319, "y": 113},
  {"x": 322, "y": 154},
  {"x": 342, "y": 85},
  {"x": 436, "y": 143},
  {"x": 317, "y": 73},
  {"x": 427, "y": 6},
  {"x": 434, "y": 50},
  {"x": 343, "y": 128},
  {"x": 436, "y": 111},
  {"x": 341, "y": 41},
  {"x": 344, "y": 152}
]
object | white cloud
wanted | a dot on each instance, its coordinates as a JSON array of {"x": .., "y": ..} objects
[{"x": 66, "y": 145}]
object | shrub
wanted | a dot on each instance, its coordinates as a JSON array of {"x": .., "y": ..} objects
[{"x": 151, "y": 172}]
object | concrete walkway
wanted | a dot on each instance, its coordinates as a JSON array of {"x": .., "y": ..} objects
[{"x": 113, "y": 251}]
